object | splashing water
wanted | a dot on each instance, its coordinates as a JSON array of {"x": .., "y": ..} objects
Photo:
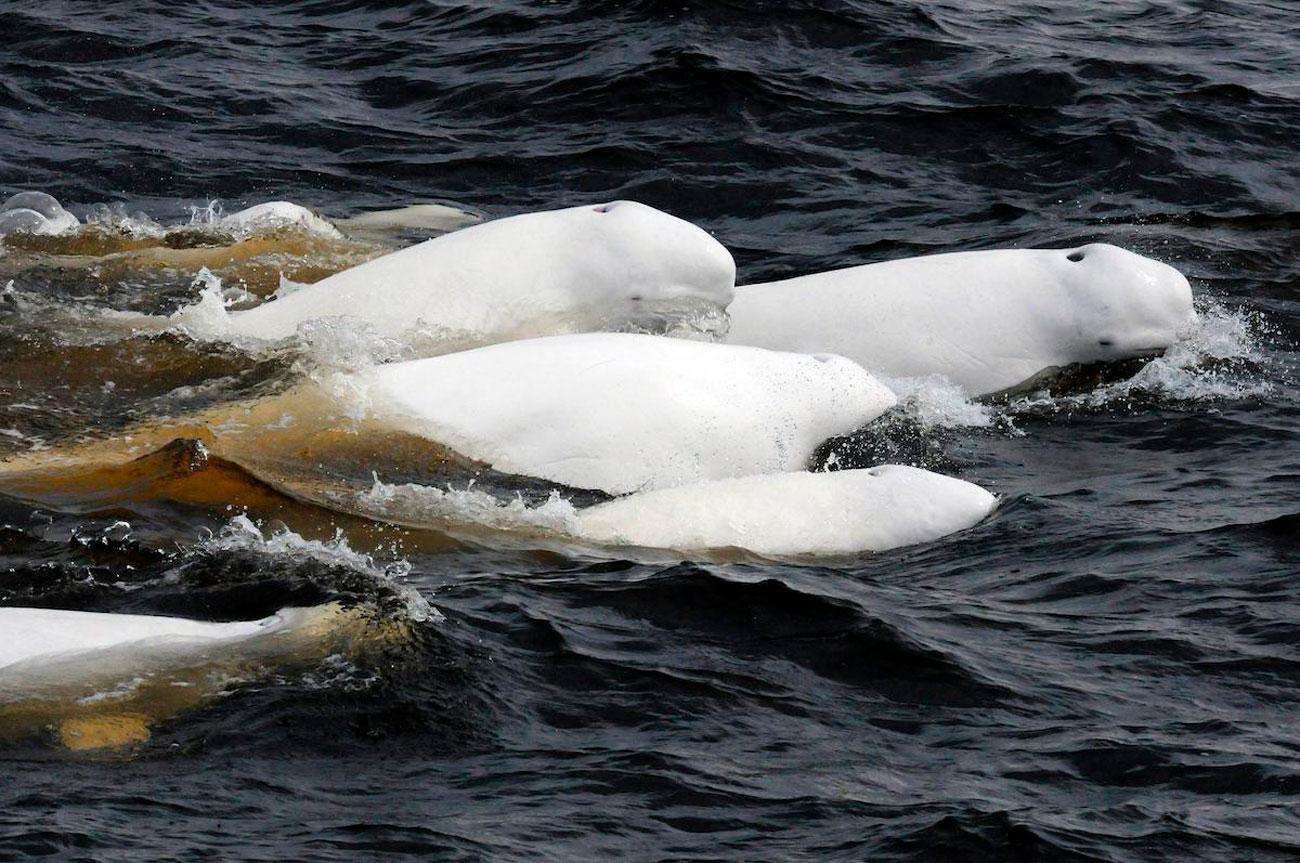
[
  {"x": 116, "y": 219},
  {"x": 425, "y": 505},
  {"x": 243, "y": 534},
  {"x": 208, "y": 214},
  {"x": 207, "y": 317},
  {"x": 934, "y": 401},
  {"x": 1218, "y": 359}
]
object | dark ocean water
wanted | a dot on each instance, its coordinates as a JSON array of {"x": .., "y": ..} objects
[{"x": 1108, "y": 669}]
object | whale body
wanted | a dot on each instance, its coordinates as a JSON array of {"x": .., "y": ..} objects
[
  {"x": 789, "y": 514},
  {"x": 99, "y": 680},
  {"x": 500, "y": 275},
  {"x": 988, "y": 321},
  {"x": 427, "y": 219},
  {"x": 621, "y": 412},
  {"x": 35, "y": 635}
]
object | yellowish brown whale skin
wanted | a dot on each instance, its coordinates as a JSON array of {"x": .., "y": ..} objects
[{"x": 255, "y": 263}]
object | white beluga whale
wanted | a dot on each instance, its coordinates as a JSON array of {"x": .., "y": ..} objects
[
  {"x": 501, "y": 276},
  {"x": 793, "y": 514},
  {"x": 988, "y": 321},
  {"x": 35, "y": 213},
  {"x": 47, "y": 635},
  {"x": 101, "y": 680},
  {"x": 426, "y": 219},
  {"x": 620, "y": 412}
]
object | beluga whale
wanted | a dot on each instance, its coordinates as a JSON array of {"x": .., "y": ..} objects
[
  {"x": 95, "y": 680},
  {"x": 532, "y": 274},
  {"x": 991, "y": 322},
  {"x": 604, "y": 412},
  {"x": 622, "y": 412},
  {"x": 795, "y": 514}
]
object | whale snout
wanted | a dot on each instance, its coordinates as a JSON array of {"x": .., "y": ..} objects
[
  {"x": 1142, "y": 305},
  {"x": 687, "y": 260}
]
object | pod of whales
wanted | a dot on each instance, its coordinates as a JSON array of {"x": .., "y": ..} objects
[
  {"x": 988, "y": 321},
  {"x": 619, "y": 412},
  {"x": 503, "y": 275},
  {"x": 792, "y": 514},
  {"x": 707, "y": 443}
]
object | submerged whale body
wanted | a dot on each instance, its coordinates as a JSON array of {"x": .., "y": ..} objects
[
  {"x": 988, "y": 321},
  {"x": 791, "y": 514},
  {"x": 499, "y": 276},
  {"x": 619, "y": 412},
  {"x": 102, "y": 680}
]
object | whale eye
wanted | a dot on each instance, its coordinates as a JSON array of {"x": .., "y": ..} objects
[
  {"x": 1075, "y": 256},
  {"x": 603, "y": 208},
  {"x": 635, "y": 299},
  {"x": 1106, "y": 343}
]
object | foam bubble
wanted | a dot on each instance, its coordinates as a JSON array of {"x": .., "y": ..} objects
[{"x": 115, "y": 218}]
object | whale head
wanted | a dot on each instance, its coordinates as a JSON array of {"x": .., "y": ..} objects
[
  {"x": 1121, "y": 304},
  {"x": 660, "y": 257}
]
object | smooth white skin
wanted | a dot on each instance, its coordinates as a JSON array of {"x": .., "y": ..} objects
[
  {"x": 41, "y": 635},
  {"x": 278, "y": 214},
  {"x": 497, "y": 276},
  {"x": 426, "y": 218},
  {"x": 794, "y": 514},
  {"x": 620, "y": 412},
  {"x": 988, "y": 321},
  {"x": 35, "y": 213}
]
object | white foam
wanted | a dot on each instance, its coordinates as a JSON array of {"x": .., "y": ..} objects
[
  {"x": 207, "y": 317},
  {"x": 936, "y": 402},
  {"x": 1215, "y": 360}
]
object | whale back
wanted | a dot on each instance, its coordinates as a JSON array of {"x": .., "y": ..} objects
[
  {"x": 794, "y": 514},
  {"x": 988, "y": 320},
  {"x": 42, "y": 634},
  {"x": 622, "y": 412},
  {"x": 501, "y": 274}
]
